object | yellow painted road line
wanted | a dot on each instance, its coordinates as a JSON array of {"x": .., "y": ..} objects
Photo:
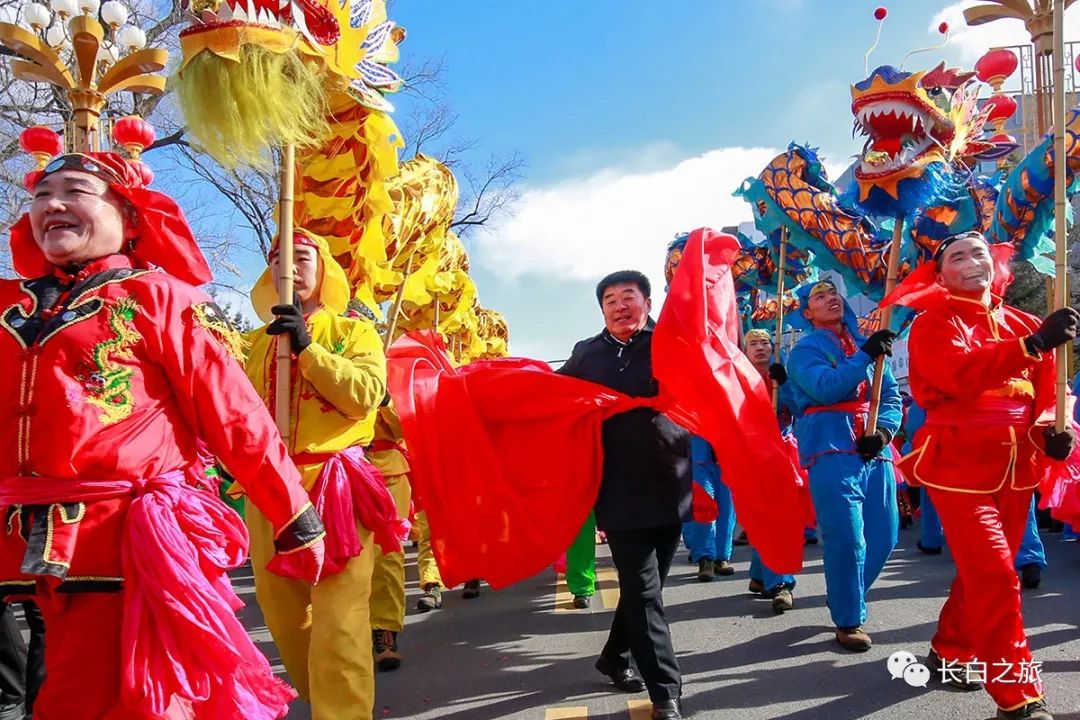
[
  {"x": 639, "y": 709},
  {"x": 567, "y": 713},
  {"x": 607, "y": 586},
  {"x": 564, "y": 601}
]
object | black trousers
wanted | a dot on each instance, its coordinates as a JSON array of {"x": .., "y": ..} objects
[
  {"x": 22, "y": 668},
  {"x": 640, "y": 628}
]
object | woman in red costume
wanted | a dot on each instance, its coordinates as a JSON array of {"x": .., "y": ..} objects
[
  {"x": 117, "y": 368},
  {"x": 984, "y": 372}
]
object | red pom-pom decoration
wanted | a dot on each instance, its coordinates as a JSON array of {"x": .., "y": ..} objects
[
  {"x": 30, "y": 180},
  {"x": 881, "y": 12},
  {"x": 943, "y": 28}
]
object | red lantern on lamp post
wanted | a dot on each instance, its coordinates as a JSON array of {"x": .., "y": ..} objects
[
  {"x": 42, "y": 143},
  {"x": 996, "y": 66},
  {"x": 133, "y": 134},
  {"x": 1000, "y": 108}
]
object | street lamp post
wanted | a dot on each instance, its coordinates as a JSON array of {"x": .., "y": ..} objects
[{"x": 84, "y": 48}]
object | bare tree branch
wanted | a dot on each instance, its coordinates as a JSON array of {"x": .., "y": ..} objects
[{"x": 490, "y": 194}]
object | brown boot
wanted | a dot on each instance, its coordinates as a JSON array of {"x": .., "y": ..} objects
[
  {"x": 782, "y": 600},
  {"x": 854, "y": 639},
  {"x": 955, "y": 674},
  {"x": 706, "y": 570},
  {"x": 723, "y": 567},
  {"x": 384, "y": 643},
  {"x": 756, "y": 586}
]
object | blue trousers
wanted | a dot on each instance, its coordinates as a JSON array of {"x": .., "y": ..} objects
[
  {"x": 712, "y": 539},
  {"x": 760, "y": 572},
  {"x": 1031, "y": 550},
  {"x": 856, "y": 511}
]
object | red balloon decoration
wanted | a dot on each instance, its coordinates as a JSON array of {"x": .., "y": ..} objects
[
  {"x": 995, "y": 66},
  {"x": 943, "y": 28},
  {"x": 41, "y": 142},
  {"x": 881, "y": 12},
  {"x": 133, "y": 134}
]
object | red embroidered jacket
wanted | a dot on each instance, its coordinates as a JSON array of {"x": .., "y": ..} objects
[
  {"x": 984, "y": 395},
  {"x": 113, "y": 374}
]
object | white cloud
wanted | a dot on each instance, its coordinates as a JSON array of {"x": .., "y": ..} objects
[
  {"x": 970, "y": 43},
  {"x": 582, "y": 229}
]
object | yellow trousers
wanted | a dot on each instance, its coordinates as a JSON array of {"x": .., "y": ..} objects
[
  {"x": 323, "y": 632},
  {"x": 388, "y": 579},
  {"x": 425, "y": 559}
]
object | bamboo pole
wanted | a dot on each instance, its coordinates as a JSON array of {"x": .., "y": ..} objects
[
  {"x": 395, "y": 311},
  {"x": 886, "y": 322},
  {"x": 781, "y": 268},
  {"x": 283, "y": 388},
  {"x": 1061, "y": 285}
]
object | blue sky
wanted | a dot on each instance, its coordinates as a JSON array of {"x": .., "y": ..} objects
[{"x": 639, "y": 118}]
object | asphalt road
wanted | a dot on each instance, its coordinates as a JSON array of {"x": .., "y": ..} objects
[{"x": 522, "y": 654}]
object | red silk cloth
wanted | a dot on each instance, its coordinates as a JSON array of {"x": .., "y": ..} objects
[
  {"x": 506, "y": 455},
  {"x": 181, "y": 638},
  {"x": 721, "y": 396}
]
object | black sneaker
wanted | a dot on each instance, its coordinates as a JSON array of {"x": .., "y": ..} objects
[
  {"x": 1032, "y": 711},
  {"x": 431, "y": 599},
  {"x": 471, "y": 590},
  {"x": 582, "y": 602},
  {"x": 927, "y": 550},
  {"x": 741, "y": 539},
  {"x": 1031, "y": 575},
  {"x": 384, "y": 643}
]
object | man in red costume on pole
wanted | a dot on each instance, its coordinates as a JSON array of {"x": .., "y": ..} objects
[
  {"x": 117, "y": 372},
  {"x": 984, "y": 372}
]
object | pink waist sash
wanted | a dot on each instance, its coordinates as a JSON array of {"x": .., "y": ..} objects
[{"x": 181, "y": 640}]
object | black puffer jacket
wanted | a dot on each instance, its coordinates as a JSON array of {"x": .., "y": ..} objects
[{"x": 647, "y": 467}]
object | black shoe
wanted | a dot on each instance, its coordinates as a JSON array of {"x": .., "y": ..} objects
[
  {"x": 471, "y": 590},
  {"x": 954, "y": 674},
  {"x": 741, "y": 539},
  {"x": 384, "y": 643},
  {"x": 812, "y": 540},
  {"x": 666, "y": 710},
  {"x": 927, "y": 550},
  {"x": 706, "y": 571},
  {"x": 1031, "y": 575},
  {"x": 1032, "y": 711},
  {"x": 431, "y": 599},
  {"x": 624, "y": 679},
  {"x": 582, "y": 602}
]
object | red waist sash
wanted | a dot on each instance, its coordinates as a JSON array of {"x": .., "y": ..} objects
[{"x": 983, "y": 412}]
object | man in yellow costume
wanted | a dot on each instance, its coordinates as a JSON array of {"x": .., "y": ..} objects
[
  {"x": 387, "y": 454},
  {"x": 338, "y": 382}
]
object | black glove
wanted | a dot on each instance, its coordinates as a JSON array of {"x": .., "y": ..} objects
[
  {"x": 870, "y": 446},
  {"x": 290, "y": 319},
  {"x": 1058, "y": 328},
  {"x": 878, "y": 344},
  {"x": 1059, "y": 445},
  {"x": 778, "y": 373}
]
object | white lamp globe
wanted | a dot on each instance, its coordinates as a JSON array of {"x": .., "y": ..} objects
[
  {"x": 131, "y": 38},
  {"x": 37, "y": 15},
  {"x": 108, "y": 53},
  {"x": 63, "y": 7},
  {"x": 55, "y": 35},
  {"x": 89, "y": 7},
  {"x": 114, "y": 13}
]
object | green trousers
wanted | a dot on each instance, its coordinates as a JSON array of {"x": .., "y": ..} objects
[{"x": 581, "y": 560}]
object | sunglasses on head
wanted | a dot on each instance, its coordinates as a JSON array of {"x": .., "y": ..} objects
[{"x": 82, "y": 163}]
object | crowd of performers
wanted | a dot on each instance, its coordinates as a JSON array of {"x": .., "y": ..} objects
[{"x": 130, "y": 396}]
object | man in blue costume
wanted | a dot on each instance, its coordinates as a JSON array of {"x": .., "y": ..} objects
[
  {"x": 852, "y": 480},
  {"x": 710, "y": 543},
  {"x": 758, "y": 346}
]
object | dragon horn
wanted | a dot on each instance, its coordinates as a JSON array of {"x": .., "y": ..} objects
[
  {"x": 943, "y": 28},
  {"x": 879, "y": 14}
]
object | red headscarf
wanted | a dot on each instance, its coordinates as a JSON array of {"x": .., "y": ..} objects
[{"x": 164, "y": 237}]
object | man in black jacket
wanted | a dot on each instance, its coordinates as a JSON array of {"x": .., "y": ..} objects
[{"x": 644, "y": 494}]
